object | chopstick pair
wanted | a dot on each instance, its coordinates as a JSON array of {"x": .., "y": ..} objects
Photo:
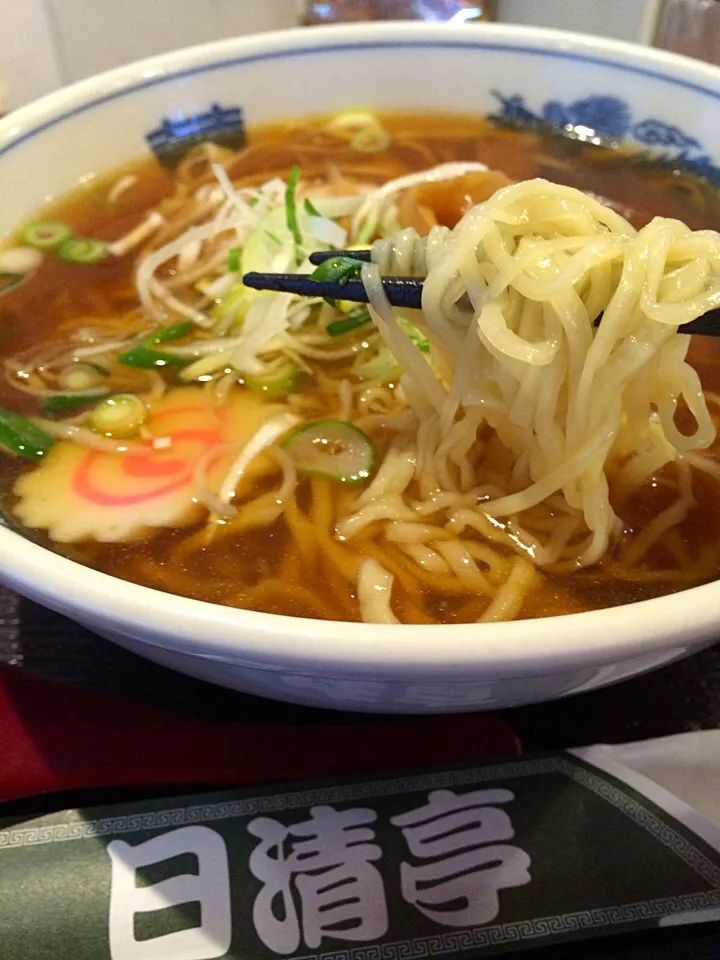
[{"x": 403, "y": 292}]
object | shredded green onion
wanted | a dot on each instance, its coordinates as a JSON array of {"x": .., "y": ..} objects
[
  {"x": 338, "y": 270},
  {"x": 380, "y": 365},
  {"x": 103, "y": 371},
  {"x": 175, "y": 331},
  {"x": 70, "y": 401},
  {"x": 234, "y": 260},
  {"x": 352, "y": 322},
  {"x": 83, "y": 250},
  {"x": 45, "y": 234},
  {"x": 311, "y": 208},
  {"x": 21, "y": 436},
  {"x": 235, "y": 304},
  {"x": 9, "y": 280},
  {"x": 418, "y": 338},
  {"x": 291, "y": 205},
  {"x": 145, "y": 354}
]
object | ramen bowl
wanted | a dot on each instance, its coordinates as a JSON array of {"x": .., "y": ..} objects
[{"x": 600, "y": 88}]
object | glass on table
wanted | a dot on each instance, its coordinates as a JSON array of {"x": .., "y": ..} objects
[
  {"x": 314, "y": 12},
  {"x": 691, "y": 27}
]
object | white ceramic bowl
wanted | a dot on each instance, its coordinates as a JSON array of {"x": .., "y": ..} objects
[{"x": 630, "y": 92}]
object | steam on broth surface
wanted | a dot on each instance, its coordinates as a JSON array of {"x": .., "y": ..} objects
[{"x": 272, "y": 453}]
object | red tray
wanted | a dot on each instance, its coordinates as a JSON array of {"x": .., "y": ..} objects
[{"x": 55, "y": 737}]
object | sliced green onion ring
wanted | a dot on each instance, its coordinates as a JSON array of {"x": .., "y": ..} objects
[
  {"x": 81, "y": 376},
  {"x": 332, "y": 448},
  {"x": 83, "y": 250},
  {"x": 279, "y": 381},
  {"x": 234, "y": 260},
  {"x": 45, "y": 234},
  {"x": 120, "y": 415},
  {"x": 371, "y": 139}
]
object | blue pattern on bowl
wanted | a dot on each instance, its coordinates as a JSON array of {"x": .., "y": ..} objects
[
  {"x": 606, "y": 115},
  {"x": 607, "y": 118},
  {"x": 610, "y": 119},
  {"x": 174, "y": 137}
]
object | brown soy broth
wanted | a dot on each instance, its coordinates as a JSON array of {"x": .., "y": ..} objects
[{"x": 64, "y": 297}]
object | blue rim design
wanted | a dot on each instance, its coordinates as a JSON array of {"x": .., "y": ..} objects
[
  {"x": 608, "y": 120},
  {"x": 224, "y": 126},
  {"x": 370, "y": 45}
]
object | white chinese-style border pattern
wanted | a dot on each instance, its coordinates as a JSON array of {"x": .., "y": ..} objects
[
  {"x": 366, "y": 790},
  {"x": 501, "y": 934},
  {"x": 453, "y": 941},
  {"x": 275, "y": 803}
]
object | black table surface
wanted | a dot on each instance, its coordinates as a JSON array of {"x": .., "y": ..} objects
[{"x": 684, "y": 696}]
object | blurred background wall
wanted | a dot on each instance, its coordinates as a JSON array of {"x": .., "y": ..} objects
[{"x": 47, "y": 43}]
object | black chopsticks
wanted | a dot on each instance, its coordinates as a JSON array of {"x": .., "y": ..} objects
[{"x": 403, "y": 292}]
